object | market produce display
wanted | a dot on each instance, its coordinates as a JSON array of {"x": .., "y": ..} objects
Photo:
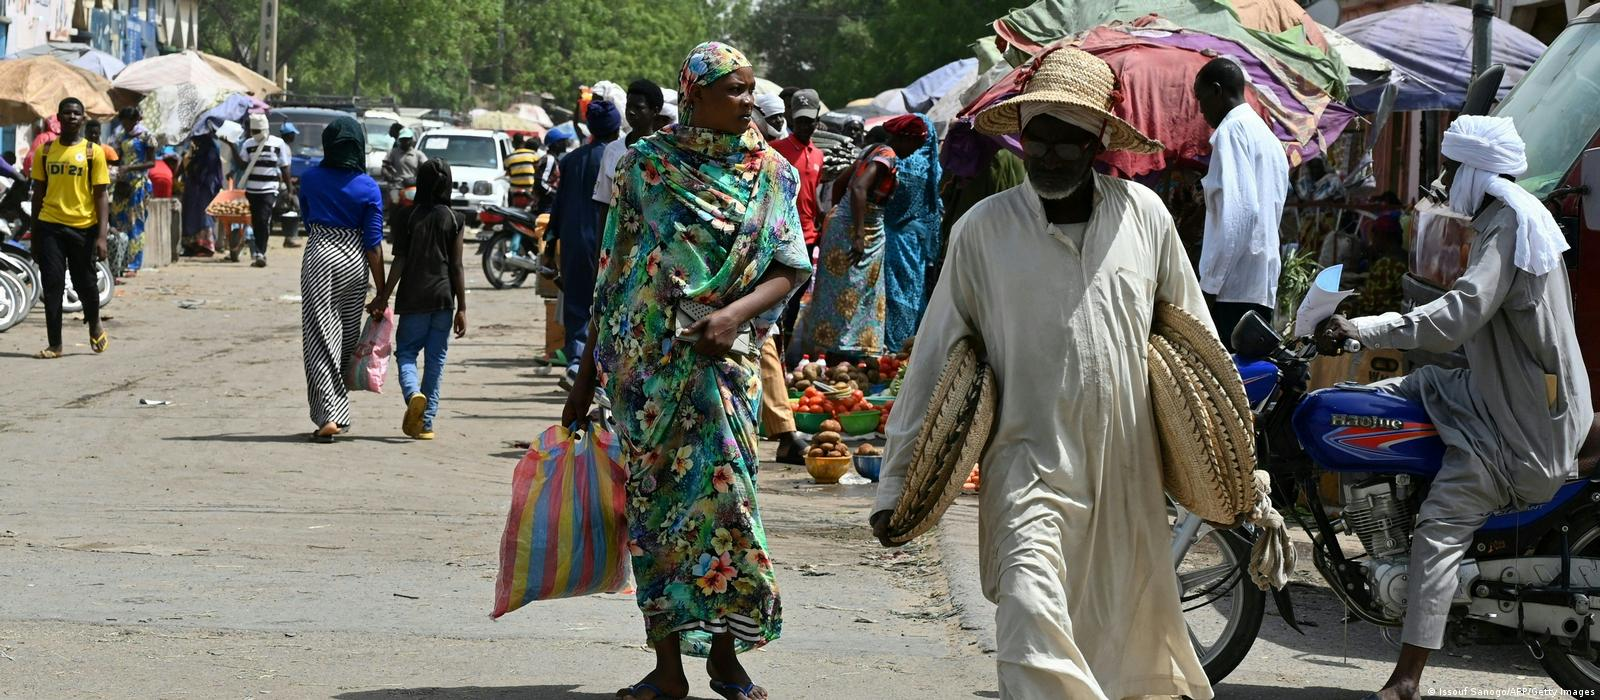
[
  {"x": 828, "y": 443},
  {"x": 235, "y": 207}
]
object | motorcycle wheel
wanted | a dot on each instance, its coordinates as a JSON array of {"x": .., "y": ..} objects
[
  {"x": 13, "y": 301},
  {"x": 1221, "y": 607},
  {"x": 105, "y": 287},
  {"x": 1573, "y": 672},
  {"x": 494, "y": 262},
  {"x": 26, "y": 272}
]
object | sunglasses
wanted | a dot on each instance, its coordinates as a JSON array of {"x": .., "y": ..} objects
[{"x": 1065, "y": 151}]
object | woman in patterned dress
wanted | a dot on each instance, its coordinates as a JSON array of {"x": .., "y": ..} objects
[
  {"x": 704, "y": 215},
  {"x": 344, "y": 244},
  {"x": 911, "y": 231},
  {"x": 848, "y": 306},
  {"x": 137, "y": 153}
]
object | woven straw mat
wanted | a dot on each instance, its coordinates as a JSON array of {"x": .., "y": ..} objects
[
  {"x": 1206, "y": 428},
  {"x": 954, "y": 433}
]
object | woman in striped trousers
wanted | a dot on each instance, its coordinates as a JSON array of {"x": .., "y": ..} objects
[{"x": 343, "y": 213}]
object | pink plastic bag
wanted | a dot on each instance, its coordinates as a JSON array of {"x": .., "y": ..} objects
[{"x": 371, "y": 361}]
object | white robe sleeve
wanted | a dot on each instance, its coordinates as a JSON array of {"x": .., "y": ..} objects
[
  {"x": 1445, "y": 323},
  {"x": 1230, "y": 194},
  {"x": 949, "y": 317}
]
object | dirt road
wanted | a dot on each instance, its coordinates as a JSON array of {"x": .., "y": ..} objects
[{"x": 204, "y": 549}]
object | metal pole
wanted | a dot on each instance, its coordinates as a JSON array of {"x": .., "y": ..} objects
[
  {"x": 1482, "y": 34},
  {"x": 267, "y": 44}
]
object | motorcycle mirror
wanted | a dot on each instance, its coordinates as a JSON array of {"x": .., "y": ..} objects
[
  {"x": 1481, "y": 92},
  {"x": 1254, "y": 338},
  {"x": 1589, "y": 175}
]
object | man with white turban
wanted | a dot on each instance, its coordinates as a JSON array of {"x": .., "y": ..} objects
[
  {"x": 771, "y": 113},
  {"x": 1058, "y": 280},
  {"x": 1512, "y": 422}
]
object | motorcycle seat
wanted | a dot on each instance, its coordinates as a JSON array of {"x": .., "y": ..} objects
[
  {"x": 1589, "y": 452},
  {"x": 510, "y": 213}
]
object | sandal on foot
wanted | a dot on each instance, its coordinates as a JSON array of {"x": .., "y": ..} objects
[
  {"x": 100, "y": 342},
  {"x": 47, "y": 354},
  {"x": 629, "y": 691},
  {"x": 734, "y": 691},
  {"x": 318, "y": 437},
  {"x": 411, "y": 424}
]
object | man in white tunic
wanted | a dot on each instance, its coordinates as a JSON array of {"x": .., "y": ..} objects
[
  {"x": 1058, "y": 278},
  {"x": 1513, "y": 420},
  {"x": 1245, "y": 186}
]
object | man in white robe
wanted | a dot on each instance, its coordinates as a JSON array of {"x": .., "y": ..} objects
[
  {"x": 1245, "y": 186},
  {"x": 1058, "y": 278}
]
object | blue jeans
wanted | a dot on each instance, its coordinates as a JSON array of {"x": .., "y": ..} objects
[{"x": 423, "y": 332}]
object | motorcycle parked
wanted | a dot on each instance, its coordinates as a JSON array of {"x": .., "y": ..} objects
[
  {"x": 1532, "y": 576},
  {"x": 508, "y": 242}
]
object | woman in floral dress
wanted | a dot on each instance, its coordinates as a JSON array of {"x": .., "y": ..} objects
[
  {"x": 137, "y": 153},
  {"x": 848, "y": 305},
  {"x": 704, "y": 215}
]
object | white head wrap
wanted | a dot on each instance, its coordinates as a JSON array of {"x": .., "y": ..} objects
[
  {"x": 1076, "y": 117},
  {"x": 1486, "y": 148},
  {"x": 770, "y": 105}
]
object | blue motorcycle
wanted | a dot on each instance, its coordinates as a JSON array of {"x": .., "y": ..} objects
[{"x": 1532, "y": 576}]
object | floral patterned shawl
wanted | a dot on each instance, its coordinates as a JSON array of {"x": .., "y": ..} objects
[{"x": 700, "y": 215}]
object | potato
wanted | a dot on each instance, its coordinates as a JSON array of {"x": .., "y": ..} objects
[
  {"x": 812, "y": 372},
  {"x": 826, "y": 437},
  {"x": 831, "y": 425},
  {"x": 803, "y": 384},
  {"x": 838, "y": 452},
  {"x": 867, "y": 449},
  {"x": 815, "y": 452}
]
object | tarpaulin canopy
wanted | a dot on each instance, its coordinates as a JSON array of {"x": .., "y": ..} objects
[
  {"x": 32, "y": 88},
  {"x": 172, "y": 112},
  {"x": 504, "y": 121},
  {"x": 233, "y": 108},
  {"x": 1155, "y": 72},
  {"x": 1433, "y": 41},
  {"x": 80, "y": 55},
  {"x": 1279, "y": 27},
  {"x": 922, "y": 93}
]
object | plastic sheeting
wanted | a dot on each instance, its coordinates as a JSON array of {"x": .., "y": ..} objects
[
  {"x": 922, "y": 93},
  {"x": 1433, "y": 42},
  {"x": 1301, "y": 47}
]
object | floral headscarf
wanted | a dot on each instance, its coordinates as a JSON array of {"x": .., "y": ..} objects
[{"x": 706, "y": 64}]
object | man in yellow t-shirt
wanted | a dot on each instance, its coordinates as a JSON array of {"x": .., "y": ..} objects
[
  {"x": 522, "y": 167},
  {"x": 69, "y": 230}
]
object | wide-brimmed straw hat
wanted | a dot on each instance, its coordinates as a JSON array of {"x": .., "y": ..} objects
[
  {"x": 1074, "y": 80},
  {"x": 1208, "y": 453},
  {"x": 954, "y": 434}
]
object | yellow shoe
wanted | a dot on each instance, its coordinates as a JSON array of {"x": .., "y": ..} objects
[
  {"x": 424, "y": 435},
  {"x": 411, "y": 425}
]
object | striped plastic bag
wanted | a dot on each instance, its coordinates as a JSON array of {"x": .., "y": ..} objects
[{"x": 567, "y": 532}]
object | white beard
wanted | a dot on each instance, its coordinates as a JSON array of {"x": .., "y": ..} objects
[{"x": 1057, "y": 193}]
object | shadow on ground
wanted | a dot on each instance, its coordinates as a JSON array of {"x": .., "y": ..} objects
[
  {"x": 522, "y": 692},
  {"x": 304, "y": 437}
]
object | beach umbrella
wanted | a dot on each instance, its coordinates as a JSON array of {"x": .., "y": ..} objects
[
  {"x": 1433, "y": 42},
  {"x": 32, "y": 88},
  {"x": 503, "y": 121},
  {"x": 172, "y": 113},
  {"x": 253, "y": 82},
  {"x": 81, "y": 55},
  {"x": 100, "y": 63},
  {"x": 186, "y": 68}
]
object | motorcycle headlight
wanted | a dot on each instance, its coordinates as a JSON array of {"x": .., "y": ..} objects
[{"x": 482, "y": 187}]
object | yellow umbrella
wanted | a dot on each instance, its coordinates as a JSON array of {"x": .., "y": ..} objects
[
  {"x": 31, "y": 88},
  {"x": 253, "y": 81}
]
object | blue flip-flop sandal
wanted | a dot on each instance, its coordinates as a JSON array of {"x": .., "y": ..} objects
[
  {"x": 643, "y": 685},
  {"x": 723, "y": 689}
]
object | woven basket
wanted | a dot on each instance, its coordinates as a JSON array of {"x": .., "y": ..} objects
[
  {"x": 955, "y": 432},
  {"x": 1207, "y": 432}
]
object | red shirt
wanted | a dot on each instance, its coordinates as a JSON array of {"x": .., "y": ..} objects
[
  {"x": 161, "y": 180},
  {"x": 806, "y": 158}
]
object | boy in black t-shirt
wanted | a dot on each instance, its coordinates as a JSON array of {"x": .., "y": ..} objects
[{"x": 427, "y": 271}]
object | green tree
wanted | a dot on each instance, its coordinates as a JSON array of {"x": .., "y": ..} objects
[{"x": 849, "y": 49}]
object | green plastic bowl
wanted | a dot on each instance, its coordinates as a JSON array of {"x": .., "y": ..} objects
[
  {"x": 860, "y": 422},
  {"x": 809, "y": 422}
]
